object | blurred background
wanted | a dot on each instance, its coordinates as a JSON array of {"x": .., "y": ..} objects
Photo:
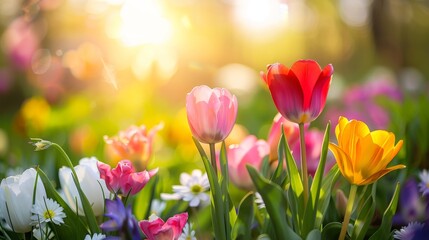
[{"x": 73, "y": 71}]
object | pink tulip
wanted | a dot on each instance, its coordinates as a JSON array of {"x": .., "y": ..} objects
[
  {"x": 134, "y": 144},
  {"x": 158, "y": 229},
  {"x": 291, "y": 131},
  {"x": 123, "y": 178},
  {"x": 299, "y": 93},
  {"x": 249, "y": 152},
  {"x": 313, "y": 143},
  {"x": 211, "y": 113}
]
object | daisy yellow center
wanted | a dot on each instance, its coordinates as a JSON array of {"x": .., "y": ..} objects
[
  {"x": 48, "y": 214},
  {"x": 427, "y": 184},
  {"x": 196, "y": 188}
]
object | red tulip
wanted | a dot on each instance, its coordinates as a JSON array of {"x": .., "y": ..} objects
[
  {"x": 299, "y": 93},
  {"x": 211, "y": 113}
]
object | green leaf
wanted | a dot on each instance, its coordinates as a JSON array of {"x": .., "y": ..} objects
[
  {"x": 230, "y": 214},
  {"x": 87, "y": 209},
  {"x": 296, "y": 190},
  {"x": 315, "y": 234},
  {"x": 383, "y": 232},
  {"x": 73, "y": 227},
  {"x": 331, "y": 230},
  {"x": 279, "y": 175},
  {"x": 275, "y": 203},
  {"x": 325, "y": 194},
  {"x": 365, "y": 214},
  {"x": 316, "y": 185},
  {"x": 217, "y": 207},
  {"x": 243, "y": 224},
  {"x": 143, "y": 201}
]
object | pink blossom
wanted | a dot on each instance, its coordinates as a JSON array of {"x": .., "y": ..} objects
[
  {"x": 313, "y": 143},
  {"x": 135, "y": 144},
  {"x": 249, "y": 152},
  {"x": 158, "y": 229},
  {"x": 211, "y": 113},
  {"x": 123, "y": 178}
]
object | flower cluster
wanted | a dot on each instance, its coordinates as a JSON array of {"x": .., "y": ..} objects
[{"x": 289, "y": 178}]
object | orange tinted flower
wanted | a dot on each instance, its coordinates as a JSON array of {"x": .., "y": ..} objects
[
  {"x": 362, "y": 155},
  {"x": 134, "y": 144}
]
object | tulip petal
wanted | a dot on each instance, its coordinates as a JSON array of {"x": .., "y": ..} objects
[
  {"x": 379, "y": 174},
  {"x": 344, "y": 162},
  {"x": 286, "y": 92},
  {"x": 350, "y": 135},
  {"x": 307, "y": 72},
  {"x": 320, "y": 91}
]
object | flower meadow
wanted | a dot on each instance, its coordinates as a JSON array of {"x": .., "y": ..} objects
[
  {"x": 214, "y": 119},
  {"x": 298, "y": 183}
]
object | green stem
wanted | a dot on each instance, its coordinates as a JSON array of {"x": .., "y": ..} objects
[
  {"x": 213, "y": 157},
  {"x": 349, "y": 208},
  {"x": 304, "y": 171}
]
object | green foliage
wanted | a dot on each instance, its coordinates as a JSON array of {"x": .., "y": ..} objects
[{"x": 73, "y": 226}]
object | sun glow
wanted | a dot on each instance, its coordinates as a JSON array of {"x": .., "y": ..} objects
[
  {"x": 257, "y": 15},
  {"x": 142, "y": 22}
]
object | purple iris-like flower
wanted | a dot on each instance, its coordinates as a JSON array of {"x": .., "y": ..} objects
[
  {"x": 121, "y": 220},
  {"x": 412, "y": 207},
  {"x": 424, "y": 184},
  {"x": 412, "y": 231}
]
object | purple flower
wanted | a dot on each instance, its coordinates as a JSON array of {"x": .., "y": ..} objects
[
  {"x": 410, "y": 232},
  {"x": 121, "y": 220},
  {"x": 412, "y": 207},
  {"x": 424, "y": 184}
]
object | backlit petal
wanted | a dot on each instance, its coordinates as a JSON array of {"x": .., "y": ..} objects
[
  {"x": 344, "y": 162},
  {"x": 286, "y": 92}
]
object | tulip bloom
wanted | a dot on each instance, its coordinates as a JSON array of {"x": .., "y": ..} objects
[
  {"x": 16, "y": 200},
  {"x": 123, "y": 178},
  {"x": 313, "y": 143},
  {"x": 211, "y": 113},
  {"x": 299, "y": 93},
  {"x": 251, "y": 151},
  {"x": 362, "y": 156},
  {"x": 92, "y": 185},
  {"x": 134, "y": 144},
  {"x": 158, "y": 229},
  {"x": 291, "y": 131}
]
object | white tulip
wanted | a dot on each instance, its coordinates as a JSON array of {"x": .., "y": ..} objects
[
  {"x": 92, "y": 185},
  {"x": 16, "y": 199}
]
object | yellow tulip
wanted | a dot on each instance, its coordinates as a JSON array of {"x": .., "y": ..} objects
[{"x": 362, "y": 156}]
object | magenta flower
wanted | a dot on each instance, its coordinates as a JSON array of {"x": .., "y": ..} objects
[
  {"x": 250, "y": 151},
  {"x": 158, "y": 229},
  {"x": 135, "y": 144},
  {"x": 299, "y": 93},
  {"x": 291, "y": 131},
  {"x": 211, "y": 113},
  {"x": 313, "y": 143},
  {"x": 123, "y": 178}
]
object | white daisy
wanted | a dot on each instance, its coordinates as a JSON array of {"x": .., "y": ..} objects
[
  {"x": 188, "y": 233},
  {"x": 193, "y": 189},
  {"x": 96, "y": 236},
  {"x": 408, "y": 231},
  {"x": 259, "y": 201},
  {"x": 43, "y": 231},
  {"x": 157, "y": 206},
  {"x": 47, "y": 210},
  {"x": 424, "y": 184}
]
